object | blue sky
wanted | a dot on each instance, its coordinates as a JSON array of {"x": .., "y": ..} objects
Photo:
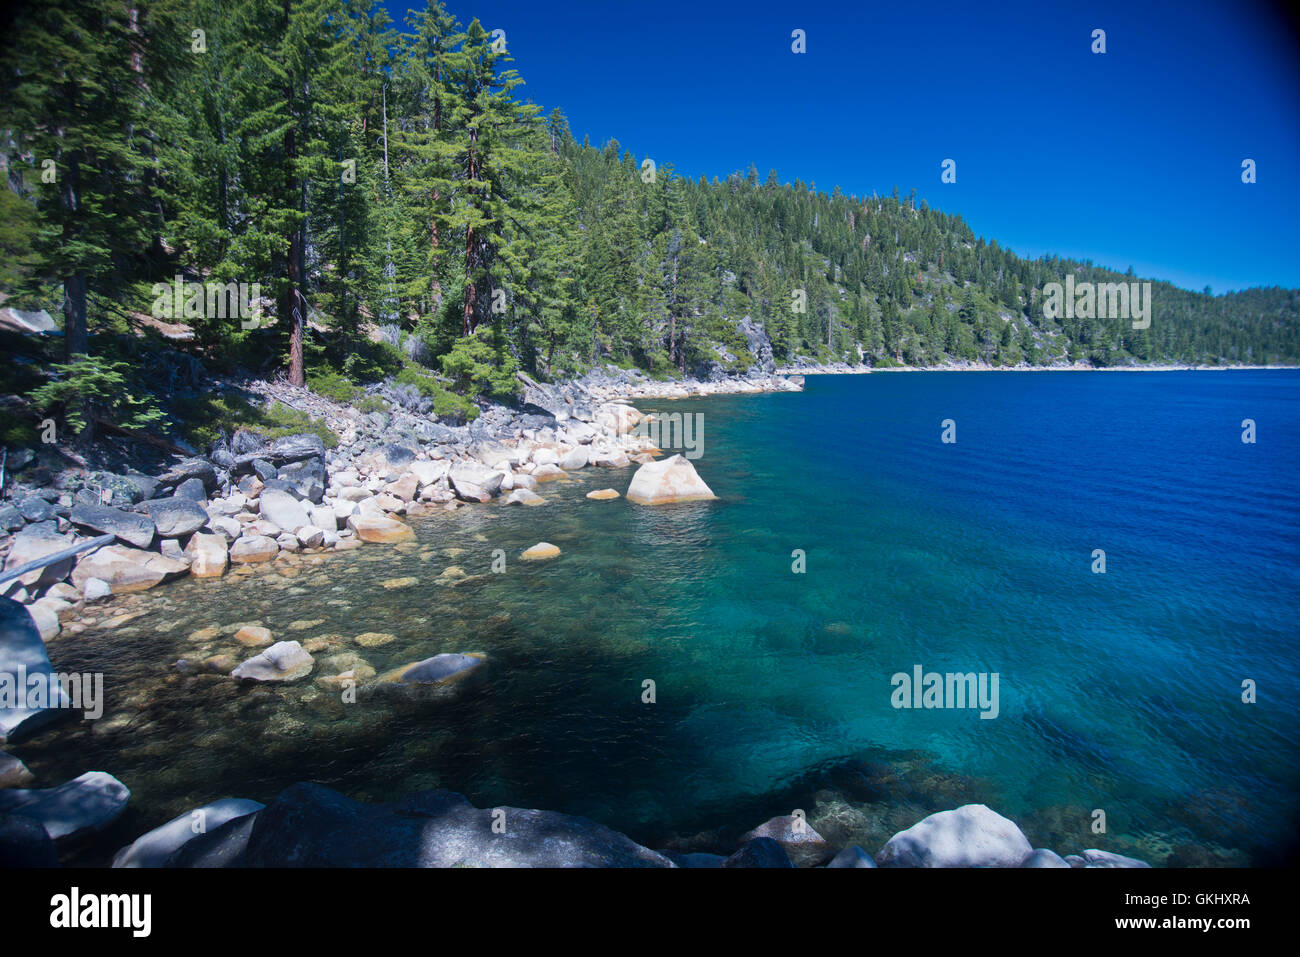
[{"x": 1132, "y": 157}]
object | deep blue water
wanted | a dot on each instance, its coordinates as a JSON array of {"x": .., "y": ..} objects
[{"x": 1118, "y": 691}]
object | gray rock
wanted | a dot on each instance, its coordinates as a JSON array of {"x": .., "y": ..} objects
[
  {"x": 131, "y": 528},
  {"x": 96, "y": 589},
  {"x": 200, "y": 469},
  {"x": 305, "y": 480},
  {"x": 695, "y": 859},
  {"x": 175, "y": 516},
  {"x": 1095, "y": 858},
  {"x": 154, "y": 848},
  {"x": 264, "y": 470},
  {"x": 22, "y": 656},
  {"x": 24, "y": 843},
  {"x": 36, "y": 509},
  {"x": 36, "y": 541},
  {"x": 283, "y": 510},
  {"x": 1043, "y": 857},
  {"x": 192, "y": 489},
  {"x": 760, "y": 852},
  {"x": 82, "y": 806},
  {"x": 852, "y": 856},
  {"x": 971, "y": 836},
  {"x": 11, "y": 520},
  {"x": 222, "y": 846},
  {"x": 284, "y": 661},
  {"x": 313, "y": 826}
]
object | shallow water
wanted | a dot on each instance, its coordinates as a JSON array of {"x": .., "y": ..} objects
[{"x": 1119, "y": 692}]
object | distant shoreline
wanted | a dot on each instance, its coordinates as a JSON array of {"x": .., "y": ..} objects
[{"x": 861, "y": 370}]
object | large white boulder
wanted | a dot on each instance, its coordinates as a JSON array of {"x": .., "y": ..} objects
[
  {"x": 673, "y": 479},
  {"x": 971, "y": 836}
]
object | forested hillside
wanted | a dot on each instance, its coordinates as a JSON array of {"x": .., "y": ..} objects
[{"x": 407, "y": 213}]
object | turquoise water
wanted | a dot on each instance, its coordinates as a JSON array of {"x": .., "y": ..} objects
[{"x": 1118, "y": 691}]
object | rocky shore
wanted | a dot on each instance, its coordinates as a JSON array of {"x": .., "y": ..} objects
[{"x": 245, "y": 500}]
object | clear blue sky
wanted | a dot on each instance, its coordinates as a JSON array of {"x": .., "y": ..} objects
[{"x": 1128, "y": 158}]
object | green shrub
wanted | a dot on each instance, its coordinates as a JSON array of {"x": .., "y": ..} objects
[
  {"x": 332, "y": 385},
  {"x": 372, "y": 403},
  {"x": 446, "y": 404}
]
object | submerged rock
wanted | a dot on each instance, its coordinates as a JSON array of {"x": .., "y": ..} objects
[
  {"x": 971, "y": 836},
  {"x": 1095, "y": 858},
  {"x": 373, "y": 528},
  {"x": 663, "y": 483},
  {"x": 540, "y": 552},
  {"x": 603, "y": 495},
  {"x": 284, "y": 661},
  {"x": 24, "y": 843},
  {"x": 1042, "y": 857}
]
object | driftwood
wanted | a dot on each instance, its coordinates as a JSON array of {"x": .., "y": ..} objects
[{"x": 50, "y": 559}]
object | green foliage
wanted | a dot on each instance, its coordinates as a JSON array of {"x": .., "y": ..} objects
[
  {"x": 92, "y": 386},
  {"x": 446, "y": 404},
  {"x": 481, "y": 364},
  {"x": 209, "y": 418},
  {"x": 332, "y": 385}
]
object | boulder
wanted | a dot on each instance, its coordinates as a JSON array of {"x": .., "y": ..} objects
[
  {"x": 228, "y": 528},
  {"x": 309, "y": 536},
  {"x": 221, "y": 846},
  {"x": 22, "y": 657},
  {"x": 155, "y": 847},
  {"x": 374, "y": 528},
  {"x": 207, "y": 554},
  {"x": 760, "y": 852},
  {"x": 672, "y": 480},
  {"x": 254, "y": 549},
  {"x": 405, "y": 488},
  {"x": 36, "y": 541},
  {"x": 603, "y": 495},
  {"x": 439, "y": 669},
  {"x": 46, "y": 618},
  {"x": 1042, "y": 857},
  {"x": 192, "y": 489},
  {"x": 283, "y": 662},
  {"x": 313, "y": 826},
  {"x": 803, "y": 845},
  {"x": 283, "y": 510},
  {"x": 577, "y": 459},
  {"x": 852, "y": 856},
  {"x": 473, "y": 482},
  {"x": 82, "y": 806},
  {"x": 175, "y": 516},
  {"x": 547, "y": 473},
  {"x": 131, "y": 528},
  {"x": 188, "y": 469},
  {"x": 427, "y": 473},
  {"x": 971, "y": 836},
  {"x": 126, "y": 569}
]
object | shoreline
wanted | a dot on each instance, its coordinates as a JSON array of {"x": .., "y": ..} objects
[{"x": 1076, "y": 367}]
